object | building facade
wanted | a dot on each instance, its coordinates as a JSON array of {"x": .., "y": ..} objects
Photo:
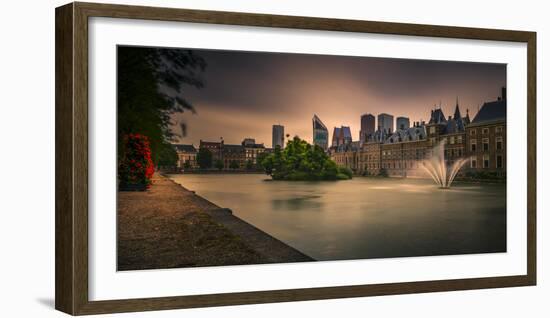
[
  {"x": 278, "y": 136},
  {"x": 187, "y": 156},
  {"x": 402, "y": 123},
  {"x": 385, "y": 123},
  {"x": 335, "y": 136},
  {"x": 252, "y": 150},
  {"x": 401, "y": 153},
  {"x": 214, "y": 147},
  {"x": 233, "y": 157},
  {"x": 486, "y": 138},
  {"x": 341, "y": 135},
  {"x": 320, "y": 133},
  {"x": 367, "y": 127}
]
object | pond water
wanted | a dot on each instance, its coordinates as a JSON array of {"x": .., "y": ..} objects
[{"x": 364, "y": 217}]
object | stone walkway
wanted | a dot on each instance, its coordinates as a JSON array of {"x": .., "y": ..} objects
[{"x": 169, "y": 226}]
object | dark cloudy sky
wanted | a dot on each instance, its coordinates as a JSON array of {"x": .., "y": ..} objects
[{"x": 246, "y": 93}]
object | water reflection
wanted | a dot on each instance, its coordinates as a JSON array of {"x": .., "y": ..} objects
[
  {"x": 298, "y": 203},
  {"x": 365, "y": 217}
]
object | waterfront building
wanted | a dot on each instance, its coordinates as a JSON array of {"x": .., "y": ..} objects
[
  {"x": 402, "y": 123},
  {"x": 278, "y": 136},
  {"x": 252, "y": 150},
  {"x": 186, "y": 154},
  {"x": 385, "y": 123},
  {"x": 248, "y": 150},
  {"x": 486, "y": 137},
  {"x": 346, "y": 154},
  {"x": 367, "y": 127},
  {"x": 214, "y": 147},
  {"x": 233, "y": 153},
  {"x": 320, "y": 133},
  {"x": 401, "y": 152}
]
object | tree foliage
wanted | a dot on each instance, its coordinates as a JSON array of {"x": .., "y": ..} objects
[
  {"x": 233, "y": 164},
  {"x": 204, "y": 158},
  {"x": 302, "y": 161},
  {"x": 187, "y": 165},
  {"x": 218, "y": 164},
  {"x": 151, "y": 85}
]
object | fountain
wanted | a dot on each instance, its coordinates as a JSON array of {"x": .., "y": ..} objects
[{"x": 442, "y": 174}]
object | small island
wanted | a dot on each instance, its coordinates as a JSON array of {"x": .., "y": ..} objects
[{"x": 300, "y": 161}]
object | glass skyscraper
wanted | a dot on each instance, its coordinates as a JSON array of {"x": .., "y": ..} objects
[
  {"x": 278, "y": 136},
  {"x": 320, "y": 133}
]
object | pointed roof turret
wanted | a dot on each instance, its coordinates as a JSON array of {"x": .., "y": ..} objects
[
  {"x": 466, "y": 118},
  {"x": 457, "y": 115}
]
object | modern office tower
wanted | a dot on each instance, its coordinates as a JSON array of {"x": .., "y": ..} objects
[
  {"x": 345, "y": 133},
  {"x": 341, "y": 136},
  {"x": 335, "y": 137},
  {"x": 320, "y": 133},
  {"x": 402, "y": 123},
  {"x": 385, "y": 122},
  {"x": 367, "y": 127},
  {"x": 278, "y": 136}
]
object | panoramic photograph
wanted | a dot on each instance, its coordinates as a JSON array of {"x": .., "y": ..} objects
[{"x": 231, "y": 158}]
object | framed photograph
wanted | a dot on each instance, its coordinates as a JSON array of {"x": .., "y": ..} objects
[{"x": 218, "y": 158}]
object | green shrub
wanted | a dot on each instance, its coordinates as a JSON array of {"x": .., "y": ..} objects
[
  {"x": 301, "y": 161},
  {"x": 345, "y": 171},
  {"x": 342, "y": 176}
]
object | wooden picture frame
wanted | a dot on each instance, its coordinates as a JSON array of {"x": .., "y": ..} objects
[{"x": 72, "y": 280}]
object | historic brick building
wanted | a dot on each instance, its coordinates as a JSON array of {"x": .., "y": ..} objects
[
  {"x": 234, "y": 155},
  {"x": 214, "y": 147},
  {"x": 252, "y": 150},
  {"x": 401, "y": 152},
  {"x": 186, "y": 154},
  {"x": 486, "y": 137}
]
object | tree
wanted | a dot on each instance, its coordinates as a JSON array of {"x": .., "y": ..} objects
[
  {"x": 218, "y": 164},
  {"x": 151, "y": 84},
  {"x": 167, "y": 156},
  {"x": 302, "y": 161},
  {"x": 234, "y": 164},
  {"x": 249, "y": 165},
  {"x": 187, "y": 165},
  {"x": 204, "y": 158}
]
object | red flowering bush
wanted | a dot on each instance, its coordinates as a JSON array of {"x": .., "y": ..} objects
[{"x": 135, "y": 167}]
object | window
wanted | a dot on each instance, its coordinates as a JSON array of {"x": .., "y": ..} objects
[
  {"x": 499, "y": 161},
  {"x": 485, "y": 161},
  {"x": 444, "y": 140},
  {"x": 472, "y": 132},
  {"x": 499, "y": 143},
  {"x": 432, "y": 141},
  {"x": 485, "y": 131},
  {"x": 473, "y": 162},
  {"x": 498, "y": 129},
  {"x": 452, "y": 140},
  {"x": 473, "y": 145},
  {"x": 485, "y": 144},
  {"x": 432, "y": 130},
  {"x": 458, "y": 139}
]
